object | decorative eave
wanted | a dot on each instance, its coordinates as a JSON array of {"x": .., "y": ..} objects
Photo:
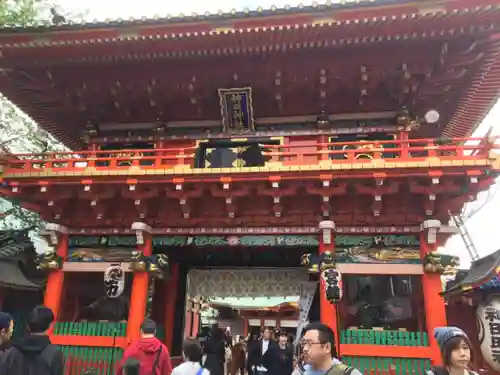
[
  {"x": 220, "y": 16},
  {"x": 279, "y": 30},
  {"x": 358, "y": 29},
  {"x": 480, "y": 97},
  {"x": 481, "y": 272}
]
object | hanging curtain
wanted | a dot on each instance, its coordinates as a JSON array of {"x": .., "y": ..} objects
[{"x": 257, "y": 282}]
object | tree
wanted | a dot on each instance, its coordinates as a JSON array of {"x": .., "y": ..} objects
[{"x": 18, "y": 132}]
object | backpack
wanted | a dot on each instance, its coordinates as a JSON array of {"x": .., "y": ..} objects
[
  {"x": 37, "y": 365},
  {"x": 340, "y": 369},
  {"x": 337, "y": 369}
]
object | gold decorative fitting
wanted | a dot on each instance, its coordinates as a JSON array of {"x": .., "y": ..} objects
[
  {"x": 49, "y": 261},
  {"x": 441, "y": 263},
  {"x": 138, "y": 262}
]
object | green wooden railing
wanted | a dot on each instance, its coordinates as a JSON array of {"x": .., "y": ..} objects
[
  {"x": 90, "y": 329},
  {"x": 79, "y": 358},
  {"x": 394, "y": 338},
  {"x": 388, "y": 366},
  {"x": 20, "y": 324}
]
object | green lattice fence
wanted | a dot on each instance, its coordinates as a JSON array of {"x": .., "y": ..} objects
[
  {"x": 392, "y": 338},
  {"x": 20, "y": 323},
  {"x": 388, "y": 366},
  {"x": 80, "y": 358},
  {"x": 90, "y": 329}
]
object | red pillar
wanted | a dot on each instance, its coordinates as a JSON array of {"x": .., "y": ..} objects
[
  {"x": 328, "y": 311},
  {"x": 188, "y": 318},
  {"x": 171, "y": 301},
  {"x": 196, "y": 318},
  {"x": 435, "y": 311},
  {"x": 57, "y": 236},
  {"x": 140, "y": 284},
  {"x": 246, "y": 326}
]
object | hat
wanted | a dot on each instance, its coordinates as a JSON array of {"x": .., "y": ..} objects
[
  {"x": 5, "y": 320},
  {"x": 445, "y": 334}
]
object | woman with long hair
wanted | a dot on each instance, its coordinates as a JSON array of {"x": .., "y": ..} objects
[
  {"x": 456, "y": 351},
  {"x": 215, "y": 350}
]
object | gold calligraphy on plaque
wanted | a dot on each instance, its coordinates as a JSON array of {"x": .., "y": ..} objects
[
  {"x": 236, "y": 109},
  {"x": 237, "y": 115}
]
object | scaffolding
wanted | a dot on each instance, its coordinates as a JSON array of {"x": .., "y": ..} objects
[{"x": 466, "y": 238}]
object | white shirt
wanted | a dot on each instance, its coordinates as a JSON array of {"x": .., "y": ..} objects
[
  {"x": 265, "y": 346},
  {"x": 189, "y": 368}
]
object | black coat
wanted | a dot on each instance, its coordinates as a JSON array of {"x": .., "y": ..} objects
[
  {"x": 269, "y": 359},
  {"x": 285, "y": 361},
  {"x": 33, "y": 354},
  {"x": 215, "y": 350}
]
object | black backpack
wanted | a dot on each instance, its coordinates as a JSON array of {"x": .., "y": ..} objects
[{"x": 40, "y": 364}]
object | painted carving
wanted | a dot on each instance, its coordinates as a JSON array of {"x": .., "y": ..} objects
[
  {"x": 440, "y": 263},
  {"x": 102, "y": 241},
  {"x": 318, "y": 263},
  {"x": 103, "y": 254},
  {"x": 378, "y": 255},
  {"x": 341, "y": 241},
  {"x": 114, "y": 281},
  {"x": 49, "y": 261},
  {"x": 488, "y": 319}
]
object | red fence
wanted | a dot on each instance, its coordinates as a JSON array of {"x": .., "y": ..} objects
[{"x": 286, "y": 154}]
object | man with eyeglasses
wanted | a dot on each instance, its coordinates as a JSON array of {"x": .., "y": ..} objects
[{"x": 318, "y": 349}]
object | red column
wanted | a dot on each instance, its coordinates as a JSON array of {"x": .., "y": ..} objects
[
  {"x": 435, "y": 312},
  {"x": 246, "y": 326},
  {"x": 57, "y": 236},
  {"x": 328, "y": 311},
  {"x": 140, "y": 284},
  {"x": 196, "y": 318},
  {"x": 188, "y": 318},
  {"x": 171, "y": 301}
]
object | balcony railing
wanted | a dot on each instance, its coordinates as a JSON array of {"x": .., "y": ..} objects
[{"x": 270, "y": 155}]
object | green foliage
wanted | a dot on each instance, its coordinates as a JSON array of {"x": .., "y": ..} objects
[
  {"x": 23, "y": 12},
  {"x": 18, "y": 133}
]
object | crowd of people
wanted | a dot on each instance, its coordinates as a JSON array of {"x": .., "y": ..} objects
[{"x": 212, "y": 353}]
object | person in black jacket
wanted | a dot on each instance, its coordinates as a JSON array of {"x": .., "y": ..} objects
[
  {"x": 215, "y": 351},
  {"x": 252, "y": 343},
  {"x": 285, "y": 350},
  {"x": 265, "y": 357},
  {"x": 34, "y": 354}
]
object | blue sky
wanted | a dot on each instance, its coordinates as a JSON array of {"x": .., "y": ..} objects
[{"x": 482, "y": 226}]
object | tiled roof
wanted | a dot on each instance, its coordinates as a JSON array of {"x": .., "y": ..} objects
[
  {"x": 11, "y": 276},
  {"x": 481, "y": 275},
  {"x": 220, "y": 15},
  {"x": 13, "y": 243}
]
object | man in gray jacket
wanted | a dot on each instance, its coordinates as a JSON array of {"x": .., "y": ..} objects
[{"x": 318, "y": 349}]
